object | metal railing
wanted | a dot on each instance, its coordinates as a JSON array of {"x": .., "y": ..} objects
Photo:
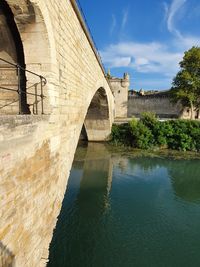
[{"x": 37, "y": 94}]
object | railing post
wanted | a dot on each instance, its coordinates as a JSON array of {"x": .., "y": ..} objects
[
  {"x": 42, "y": 96},
  {"x": 36, "y": 100},
  {"x": 19, "y": 89}
]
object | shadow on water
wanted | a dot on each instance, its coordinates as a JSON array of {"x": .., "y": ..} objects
[
  {"x": 85, "y": 219},
  {"x": 6, "y": 257}
]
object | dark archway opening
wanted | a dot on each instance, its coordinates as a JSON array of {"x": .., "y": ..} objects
[
  {"x": 83, "y": 134},
  {"x": 97, "y": 122},
  {"x": 98, "y": 109},
  {"x": 17, "y": 55}
]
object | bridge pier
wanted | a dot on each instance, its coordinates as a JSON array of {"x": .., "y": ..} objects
[{"x": 97, "y": 130}]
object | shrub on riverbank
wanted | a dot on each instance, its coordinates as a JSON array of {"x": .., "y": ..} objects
[{"x": 149, "y": 132}]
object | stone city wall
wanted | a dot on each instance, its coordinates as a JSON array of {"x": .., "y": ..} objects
[{"x": 160, "y": 105}]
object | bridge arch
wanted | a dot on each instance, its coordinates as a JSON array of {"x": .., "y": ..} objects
[
  {"x": 36, "y": 40},
  {"x": 97, "y": 122},
  {"x": 11, "y": 50}
]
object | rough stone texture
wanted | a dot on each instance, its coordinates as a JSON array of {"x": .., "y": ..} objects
[
  {"x": 36, "y": 152},
  {"x": 120, "y": 89}
]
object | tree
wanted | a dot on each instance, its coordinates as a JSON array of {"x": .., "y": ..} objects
[{"x": 186, "y": 84}]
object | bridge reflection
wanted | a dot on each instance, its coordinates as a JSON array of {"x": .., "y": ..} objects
[
  {"x": 96, "y": 180},
  {"x": 85, "y": 204}
]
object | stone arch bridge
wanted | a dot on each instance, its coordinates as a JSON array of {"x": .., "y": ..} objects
[{"x": 37, "y": 146}]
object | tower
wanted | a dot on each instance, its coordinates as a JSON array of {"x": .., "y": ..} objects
[{"x": 120, "y": 89}]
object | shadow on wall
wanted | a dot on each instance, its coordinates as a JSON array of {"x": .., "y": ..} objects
[{"x": 7, "y": 259}]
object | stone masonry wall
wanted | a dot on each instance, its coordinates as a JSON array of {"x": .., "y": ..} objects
[
  {"x": 36, "y": 152},
  {"x": 161, "y": 106}
]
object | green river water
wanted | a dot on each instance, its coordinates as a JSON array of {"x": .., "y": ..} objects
[{"x": 124, "y": 210}]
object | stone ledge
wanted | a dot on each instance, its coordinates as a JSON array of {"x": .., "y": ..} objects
[{"x": 16, "y": 120}]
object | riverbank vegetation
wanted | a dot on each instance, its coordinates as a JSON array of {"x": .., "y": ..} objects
[{"x": 150, "y": 133}]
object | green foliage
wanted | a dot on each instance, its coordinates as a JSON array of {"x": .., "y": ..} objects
[
  {"x": 141, "y": 135},
  {"x": 149, "y": 119},
  {"x": 186, "y": 84},
  {"x": 163, "y": 133},
  {"x": 186, "y": 135},
  {"x": 148, "y": 132},
  {"x": 120, "y": 134}
]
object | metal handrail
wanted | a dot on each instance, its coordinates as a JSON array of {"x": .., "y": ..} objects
[
  {"x": 18, "y": 66},
  {"x": 42, "y": 82}
]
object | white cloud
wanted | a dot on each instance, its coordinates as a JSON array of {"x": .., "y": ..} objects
[
  {"x": 152, "y": 57},
  {"x": 149, "y": 58},
  {"x": 157, "y": 58},
  {"x": 124, "y": 18},
  {"x": 142, "y": 57},
  {"x": 186, "y": 42},
  {"x": 113, "y": 24},
  {"x": 166, "y": 10},
  {"x": 171, "y": 14},
  {"x": 115, "y": 60},
  {"x": 181, "y": 41},
  {"x": 141, "y": 61}
]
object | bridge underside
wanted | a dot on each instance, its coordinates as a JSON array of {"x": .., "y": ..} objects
[{"x": 97, "y": 123}]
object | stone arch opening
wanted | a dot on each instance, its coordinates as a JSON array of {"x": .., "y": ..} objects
[
  {"x": 97, "y": 122},
  {"x": 36, "y": 32},
  {"x": 11, "y": 50},
  {"x": 33, "y": 22}
]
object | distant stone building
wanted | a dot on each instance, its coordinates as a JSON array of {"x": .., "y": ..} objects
[
  {"x": 120, "y": 89},
  {"x": 131, "y": 103}
]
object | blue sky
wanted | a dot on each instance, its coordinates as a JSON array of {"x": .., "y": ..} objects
[{"x": 146, "y": 38}]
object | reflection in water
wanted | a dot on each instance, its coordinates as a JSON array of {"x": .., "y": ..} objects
[
  {"x": 185, "y": 177},
  {"x": 121, "y": 211},
  {"x": 93, "y": 197},
  {"x": 89, "y": 187}
]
